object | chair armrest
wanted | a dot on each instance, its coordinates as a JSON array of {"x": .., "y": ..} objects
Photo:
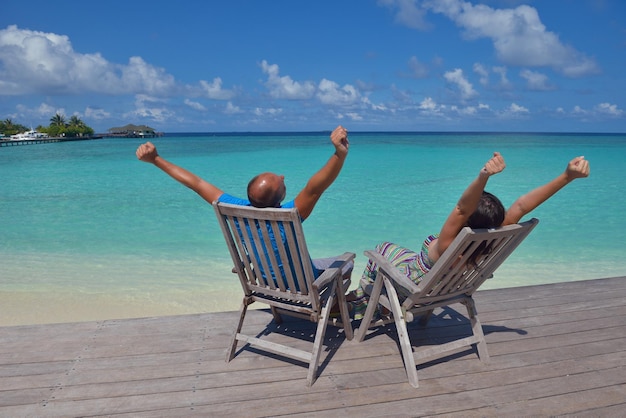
[
  {"x": 392, "y": 271},
  {"x": 334, "y": 269}
]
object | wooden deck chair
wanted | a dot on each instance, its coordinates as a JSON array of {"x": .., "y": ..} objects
[
  {"x": 278, "y": 272},
  {"x": 453, "y": 279}
]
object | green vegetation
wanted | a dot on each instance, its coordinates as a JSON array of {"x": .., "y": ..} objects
[
  {"x": 8, "y": 128},
  {"x": 58, "y": 127}
]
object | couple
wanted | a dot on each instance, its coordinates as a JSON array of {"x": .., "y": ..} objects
[{"x": 476, "y": 208}]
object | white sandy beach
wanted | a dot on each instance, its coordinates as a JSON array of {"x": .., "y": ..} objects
[
  {"x": 27, "y": 308},
  {"x": 23, "y": 307}
]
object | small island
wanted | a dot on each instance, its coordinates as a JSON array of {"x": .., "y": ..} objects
[{"x": 60, "y": 130}]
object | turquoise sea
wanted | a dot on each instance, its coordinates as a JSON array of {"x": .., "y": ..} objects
[{"x": 89, "y": 232}]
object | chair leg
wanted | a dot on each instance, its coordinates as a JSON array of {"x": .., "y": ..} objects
[
  {"x": 343, "y": 308},
  {"x": 230, "y": 353},
  {"x": 371, "y": 307},
  {"x": 278, "y": 319},
  {"x": 403, "y": 334},
  {"x": 477, "y": 329},
  {"x": 425, "y": 318},
  {"x": 319, "y": 337}
]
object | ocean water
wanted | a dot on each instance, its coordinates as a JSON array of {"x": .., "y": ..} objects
[{"x": 89, "y": 232}]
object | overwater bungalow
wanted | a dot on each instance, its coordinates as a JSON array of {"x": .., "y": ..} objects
[{"x": 133, "y": 131}]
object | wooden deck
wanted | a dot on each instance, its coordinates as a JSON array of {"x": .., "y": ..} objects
[
  {"x": 556, "y": 349},
  {"x": 10, "y": 143}
]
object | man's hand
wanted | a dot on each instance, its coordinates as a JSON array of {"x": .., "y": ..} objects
[
  {"x": 494, "y": 165},
  {"x": 577, "y": 168},
  {"x": 339, "y": 137},
  {"x": 147, "y": 152}
]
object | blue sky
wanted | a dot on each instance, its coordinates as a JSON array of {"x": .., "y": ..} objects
[{"x": 387, "y": 65}]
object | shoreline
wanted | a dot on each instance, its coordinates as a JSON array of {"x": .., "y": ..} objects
[
  {"x": 26, "y": 308},
  {"x": 36, "y": 308}
]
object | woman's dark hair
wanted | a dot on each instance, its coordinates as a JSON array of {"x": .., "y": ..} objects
[{"x": 489, "y": 213}]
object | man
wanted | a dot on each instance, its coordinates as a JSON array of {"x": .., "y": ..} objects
[{"x": 265, "y": 189}]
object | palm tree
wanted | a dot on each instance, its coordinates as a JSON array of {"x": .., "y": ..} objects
[
  {"x": 7, "y": 127},
  {"x": 8, "y": 124},
  {"x": 75, "y": 121},
  {"x": 58, "y": 120}
]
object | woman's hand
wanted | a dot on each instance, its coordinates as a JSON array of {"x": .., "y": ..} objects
[{"x": 495, "y": 165}]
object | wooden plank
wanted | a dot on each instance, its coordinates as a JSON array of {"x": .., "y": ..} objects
[{"x": 555, "y": 350}]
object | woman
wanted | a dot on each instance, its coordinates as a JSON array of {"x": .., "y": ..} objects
[{"x": 476, "y": 209}]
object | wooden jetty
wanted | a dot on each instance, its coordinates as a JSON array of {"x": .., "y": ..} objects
[
  {"x": 10, "y": 143},
  {"x": 557, "y": 349}
]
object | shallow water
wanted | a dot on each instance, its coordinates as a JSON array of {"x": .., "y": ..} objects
[{"x": 89, "y": 232}]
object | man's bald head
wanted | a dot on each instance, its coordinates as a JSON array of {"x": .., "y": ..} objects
[{"x": 267, "y": 190}]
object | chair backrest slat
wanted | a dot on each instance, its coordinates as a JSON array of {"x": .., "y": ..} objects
[
  {"x": 275, "y": 227},
  {"x": 236, "y": 247},
  {"x": 258, "y": 238},
  {"x": 299, "y": 261}
]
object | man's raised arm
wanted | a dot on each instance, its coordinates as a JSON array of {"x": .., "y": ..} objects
[
  {"x": 310, "y": 194},
  {"x": 147, "y": 152}
]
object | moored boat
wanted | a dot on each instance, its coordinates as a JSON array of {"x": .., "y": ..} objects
[{"x": 29, "y": 135}]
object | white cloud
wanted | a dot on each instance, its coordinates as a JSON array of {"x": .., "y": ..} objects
[
  {"x": 140, "y": 77},
  {"x": 331, "y": 94},
  {"x": 194, "y": 105},
  {"x": 367, "y": 102},
  {"x": 354, "y": 116},
  {"x": 327, "y": 92},
  {"x": 518, "y": 35},
  {"x": 428, "y": 104},
  {"x": 284, "y": 87},
  {"x": 504, "y": 81},
  {"x": 429, "y": 107},
  {"x": 466, "y": 111},
  {"x": 482, "y": 72},
  {"x": 214, "y": 90},
  {"x": 270, "y": 111},
  {"x": 147, "y": 107},
  {"x": 232, "y": 109},
  {"x": 457, "y": 78},
  {"x": 609, "y": 109},
  {"x": 599, "y": 112},
  {"x": 536, "y": 80},
  {"x": 45, "y": 110},
  {"x": 401, "y": 96},
  {"x": 417, "y": 69},
  {"x": 141, "y": 99},
  {"x": 40, "y": 113},
  {"x": 96, "y": 114},
  {"x": 409, "y": 13},
  {"x": 365, "y": 86},
  {"x": 513, "y": 111},
  {"x": 157, "y": 114},
  {"x": 516, "y": 109},
  {"x": 34, "y": 62}
]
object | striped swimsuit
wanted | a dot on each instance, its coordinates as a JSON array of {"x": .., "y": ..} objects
[{"x": 413, "y": 265}]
